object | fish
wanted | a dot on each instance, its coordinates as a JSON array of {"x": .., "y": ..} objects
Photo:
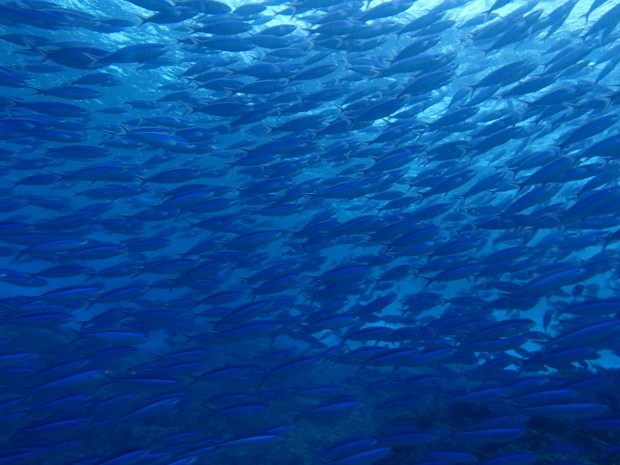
[{"x": 309, "y": 231}]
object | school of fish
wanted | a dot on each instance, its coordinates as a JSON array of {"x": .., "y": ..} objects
[{"x": 332, "y": 232}]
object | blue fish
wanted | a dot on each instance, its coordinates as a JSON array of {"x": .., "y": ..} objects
[{"x": 311, "y": 231}]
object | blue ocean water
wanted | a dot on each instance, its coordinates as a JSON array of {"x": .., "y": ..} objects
[{"x": 316, "y": 232}]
